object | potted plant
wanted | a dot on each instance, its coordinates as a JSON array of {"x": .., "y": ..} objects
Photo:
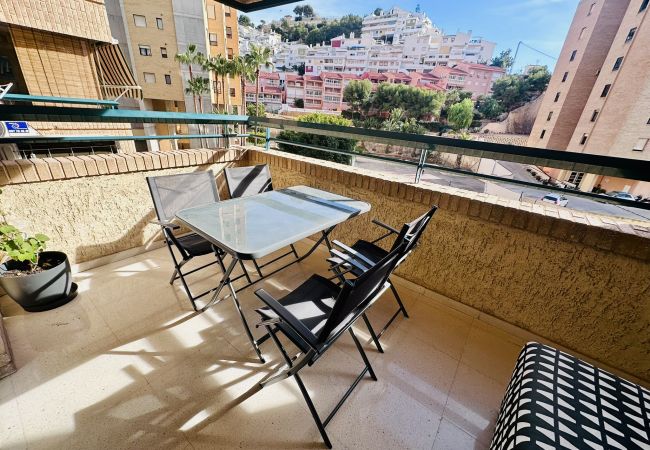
[{"x": 36, "y": 279}]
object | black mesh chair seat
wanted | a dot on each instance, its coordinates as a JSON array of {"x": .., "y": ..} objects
[
  {"x": 311, "y": 303},
  {"x": 555, "y": 400},
  {"x": 195, "y": 245}
]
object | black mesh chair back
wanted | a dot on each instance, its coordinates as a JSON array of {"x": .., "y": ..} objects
[
  {"x": 245, "y": 181},
  {"x": 171, "y": 193},
  {"x": 355, "y": 294},
  {"x": 411, "y": 233}
]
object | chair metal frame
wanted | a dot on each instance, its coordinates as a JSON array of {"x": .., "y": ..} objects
[
  {"x": 337, "y": 323},
  {"x": 345, "y": 257},
  {"x": 234, "y": 190},
  {"x": 171, "y": 240}
]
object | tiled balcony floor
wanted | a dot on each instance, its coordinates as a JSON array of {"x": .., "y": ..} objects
[{"x": 128, "y": 364}]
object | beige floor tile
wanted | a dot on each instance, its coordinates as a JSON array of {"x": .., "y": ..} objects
[
  {"x": 442, "y": 328},
  {"x": 473, "y": 403},
  {"x": 491, "y": 352},
  {"x": 129, "y": 364},
  {"x": 450, "y": 437}
]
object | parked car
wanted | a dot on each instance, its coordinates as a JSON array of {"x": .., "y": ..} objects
[
  {"x": 622, "y": 195},
  {"x": 556, "y": 199}
]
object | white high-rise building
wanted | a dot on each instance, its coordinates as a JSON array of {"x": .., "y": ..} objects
[{"x": 393, "y": 41}]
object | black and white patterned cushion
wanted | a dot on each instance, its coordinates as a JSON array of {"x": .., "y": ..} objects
[{"x": 556, "y": 401}]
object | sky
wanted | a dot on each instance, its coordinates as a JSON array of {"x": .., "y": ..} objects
[{"x": 541, "y": 24}]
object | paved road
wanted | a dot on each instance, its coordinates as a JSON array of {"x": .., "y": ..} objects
[{"x": 471, "y": 183}]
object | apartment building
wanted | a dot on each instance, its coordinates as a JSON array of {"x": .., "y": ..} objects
[
  {"x": 64, "y": 48},
  {"x": 479, "y": 78},
  {"x": 324, "y": 92},
  {"x": 393, "y": 41},
  {"x": 152, "y": 32},
  {"x": 598, "y": 99}
]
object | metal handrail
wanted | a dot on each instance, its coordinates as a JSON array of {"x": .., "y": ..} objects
[
  {"x": 633, "y": 169},
  {"x": 420, "y": 165}
]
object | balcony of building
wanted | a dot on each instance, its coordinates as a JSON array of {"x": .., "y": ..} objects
[{"x": 128, "y": 363}]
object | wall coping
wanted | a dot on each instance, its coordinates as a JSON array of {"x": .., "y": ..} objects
[
  {"x": 601, "y": 232},
  {"x": 66, "y": 167}
]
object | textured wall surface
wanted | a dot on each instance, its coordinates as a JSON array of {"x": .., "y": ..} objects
[
  {"x": 93, "y": 216},
  {"x": 7, "y": 366},
  {"x": 569, "y": 282}
]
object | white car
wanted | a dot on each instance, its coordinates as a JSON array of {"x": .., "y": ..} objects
[
  {"x": 622, "y": 195},
  {"x": 556, "y": 199}
]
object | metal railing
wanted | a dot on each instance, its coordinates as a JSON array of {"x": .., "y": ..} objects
[{"x": 424, "y": 145}]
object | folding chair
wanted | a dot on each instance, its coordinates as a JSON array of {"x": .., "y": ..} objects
[
  {"x": 363, "y": 255},
  {"x": 252, "y": 180},
  {"x": 315, "y": 315},
  {"x": 170, "y": 194}
]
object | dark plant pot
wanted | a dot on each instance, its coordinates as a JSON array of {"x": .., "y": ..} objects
[{"x": 44, "y": 290}]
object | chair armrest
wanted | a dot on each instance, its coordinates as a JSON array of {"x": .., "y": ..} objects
[
  {"x": 341, "y": 259},
  {"x": 166, "y": 224},
  {"x": 383, "y": 225},
  {"x": 355, "y": 254},
  {"x": 286, "y": 317}
]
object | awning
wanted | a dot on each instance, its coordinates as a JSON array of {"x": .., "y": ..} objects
[
  {"x": 115, "y": 77},
  {"x": 255, "y": 5}
]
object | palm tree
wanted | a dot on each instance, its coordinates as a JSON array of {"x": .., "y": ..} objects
[
  {"x": 218, "y": 65},
  {"x": 190, "y": 57},
  {"x": 259, "y": 56},
  {"x": 197, "y": 87},
  {"x": 244, "y": 69}
]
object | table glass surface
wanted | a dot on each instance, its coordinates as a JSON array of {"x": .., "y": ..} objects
[{"x": 255, "y": 226}]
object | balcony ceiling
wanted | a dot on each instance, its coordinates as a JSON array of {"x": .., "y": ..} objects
[{"x": 255, "y": 5}]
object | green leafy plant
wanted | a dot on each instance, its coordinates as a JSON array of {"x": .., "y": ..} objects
[{"x": 18, "y": 246}]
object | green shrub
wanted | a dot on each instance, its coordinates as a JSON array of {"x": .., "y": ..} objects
[{"x": 348, "y": 145}]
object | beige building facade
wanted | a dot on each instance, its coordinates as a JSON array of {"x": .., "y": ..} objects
[
  {"x": 598, "y": 100},
  {"x": 152, "y": 32},
  {"x": 50, "y": 48}
]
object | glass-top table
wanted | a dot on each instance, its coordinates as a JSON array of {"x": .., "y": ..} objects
[
  {"x": 249, "y": 228},
  {"x": 255, "y": 226}
]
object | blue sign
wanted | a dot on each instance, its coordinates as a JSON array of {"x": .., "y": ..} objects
[{"x": 17, "y": 127}]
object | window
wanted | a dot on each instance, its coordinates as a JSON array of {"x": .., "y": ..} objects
[
  {"x": 617, "y": 64},
  {"x": 159, "y": 23},
  {"x": 212, "y": 14},
  {"x": 541, "y": 136},
  {"x": 591, "y": 9},
  {"x": 139, "y": 21},
  {"x": 215, "y": 86},
  {"x": 232, "y": 92},
  {"x": 230, "y": 53},
  {"x": 163, "y": 52},
  {"x": 145, "y": 50},
  {"x": 149, "y": 77},
  {"x": 594, "y": 115},
  {"x": 168, "y": 79},
  {"x": 630, "y": 35},
  {"x": 212, "y": 37},
  {"x": 549, "y": 116},
  {"x": 557, "y": 97},
  {"x": 227, "y": 11},
  {"x": 606, "y": 90},
  {"x": 229, "y": 32},
  {"x": 576, "y": 177},
  {"x": 583, "y": 139},
  {"x": 573, "y": 55},
  {"x": 582, "y": 32},
  {"x": 565, "y": 76},
  {"x": 640, "y": 145},
  {"x": 644, "y": 5}
]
